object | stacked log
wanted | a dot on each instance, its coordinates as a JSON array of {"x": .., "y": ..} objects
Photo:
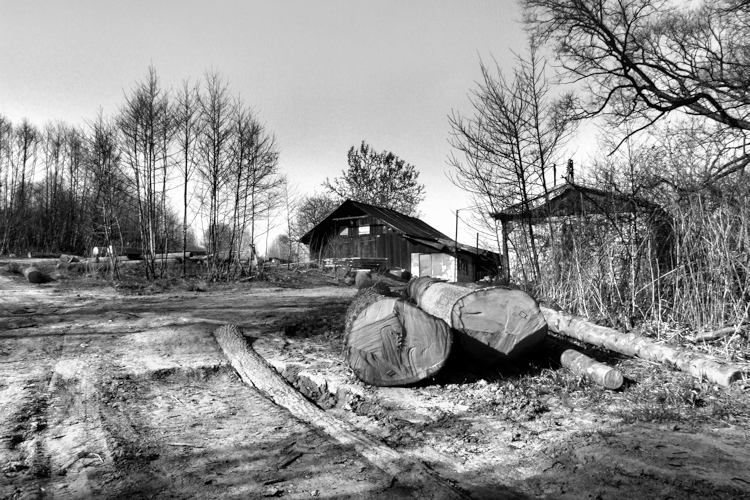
[
  {"x": 390, "y": 342},
  {"x": 489, "y": 322},
  {"x": 698, "y": 365}
]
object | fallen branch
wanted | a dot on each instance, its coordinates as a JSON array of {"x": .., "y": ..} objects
[
  {"x": 698, "y": 365},
  {"x": 256, "y": 372},
  {"x": 720, "y": 333}
]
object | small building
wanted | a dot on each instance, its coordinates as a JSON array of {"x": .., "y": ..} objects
[
  {"x": 366, "y": 236},
  {"x": 572, "y": 201}
]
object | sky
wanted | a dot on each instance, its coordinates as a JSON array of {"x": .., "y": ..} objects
[{"x": 322, "y": 76}]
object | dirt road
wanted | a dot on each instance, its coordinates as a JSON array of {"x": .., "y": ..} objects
[{"x": 104, "y": 395}]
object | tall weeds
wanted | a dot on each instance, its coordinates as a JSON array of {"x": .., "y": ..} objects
[{"x": 686, "y": 269}]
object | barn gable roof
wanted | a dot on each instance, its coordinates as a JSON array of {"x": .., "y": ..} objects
[
  {"x": 575, "y": 199},
  {"x": 404, "y": 224}
]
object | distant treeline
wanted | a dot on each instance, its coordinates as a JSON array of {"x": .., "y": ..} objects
[{"x": 140, "y": 178}]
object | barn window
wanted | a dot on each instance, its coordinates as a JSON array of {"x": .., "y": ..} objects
[
  {"x": 344, "y": 232},
  {"x": 364, "y": 230}
]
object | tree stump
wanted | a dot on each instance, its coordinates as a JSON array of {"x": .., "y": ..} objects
[
  {"x": 489, "y": 322},
  {"x": 34, "y": 275},
  {"x": 389, "y": 342},
  {"x": 363, "y": 279}
]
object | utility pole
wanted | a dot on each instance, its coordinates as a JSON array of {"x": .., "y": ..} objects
[{"x": 455, "y": 267}]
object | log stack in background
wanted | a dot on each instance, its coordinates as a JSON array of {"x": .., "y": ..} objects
[
  {"x": 489, "y": 322},
  {"x": 390, "y": 342}
]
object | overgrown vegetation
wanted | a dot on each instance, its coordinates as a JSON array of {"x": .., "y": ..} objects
[{"x": 670, "y": 257}]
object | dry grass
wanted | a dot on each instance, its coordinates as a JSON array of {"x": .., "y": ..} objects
[{"x": 670, "y": 277}]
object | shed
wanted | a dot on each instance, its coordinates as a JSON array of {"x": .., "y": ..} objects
[
  {"x": 367, "y": 236},
  {"x": 576, "y": 200}
]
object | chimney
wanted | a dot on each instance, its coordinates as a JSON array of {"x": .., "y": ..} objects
[{"x": 570, "y": 171}]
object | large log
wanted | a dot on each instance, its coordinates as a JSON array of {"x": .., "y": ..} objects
[
  {"x": 489, "y": 322},
  {"x": 698, "y": 365},
  {"x": 582, "y": 365},
  {"x": 390, "y": 342},
  {"x": 256, "y": 372},
  {"x": 34, "y": 275}
]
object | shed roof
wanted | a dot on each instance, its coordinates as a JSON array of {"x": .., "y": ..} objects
[
  {"x": 575, "y": 199},
  {"x": 408, "y": 226}
]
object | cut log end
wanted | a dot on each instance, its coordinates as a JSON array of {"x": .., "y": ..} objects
[
  {"x": 34, "y": 275},
  {"x": 390, "y": 342},
  {"x": 509, "y": 322}
]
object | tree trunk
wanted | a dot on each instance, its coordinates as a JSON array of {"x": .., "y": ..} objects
[
  {"x": 256, "y": 372},
  {"x": 698, "y": 365},
  {"x": 582, "y": 365},
  {"x": 390, "y": 342},
  {"x": 489, "y": 322}
]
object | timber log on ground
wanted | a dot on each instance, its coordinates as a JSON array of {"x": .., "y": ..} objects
[
  {"x": 582, "y": 365},
  {"x": 630, "y": 344},
  {"x": 489, "y": 322},
  {"x": 34, "y": 275},
  {"x": 256, "y": 372},
  {"x": 390, "y": 342}
]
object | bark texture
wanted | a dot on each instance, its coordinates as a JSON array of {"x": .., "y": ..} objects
[
  {"x": 390, "y": 342},
  {"x": 582, "y": 365},
  {"x": 698, "y": 365},
  {"x": 495, "y": 322},
  {"x": 256, "y": 372}
]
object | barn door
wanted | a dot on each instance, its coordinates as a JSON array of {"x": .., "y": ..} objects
[{"x": 425, "y": 264}]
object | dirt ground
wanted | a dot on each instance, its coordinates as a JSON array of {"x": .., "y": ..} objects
[{"x": 123, "y": 392}]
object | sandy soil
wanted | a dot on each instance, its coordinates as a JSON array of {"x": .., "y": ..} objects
[{"x": 112, "y": 395}]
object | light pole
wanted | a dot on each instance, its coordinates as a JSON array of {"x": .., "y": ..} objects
[{"x": 455, "y": 267}]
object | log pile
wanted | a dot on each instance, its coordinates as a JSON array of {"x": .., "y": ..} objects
[
  {"x": 698, "y": 365},
  {"x": 489, "y": 322}
]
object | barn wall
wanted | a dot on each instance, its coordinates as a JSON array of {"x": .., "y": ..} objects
[{"x": 382, "y": 242}]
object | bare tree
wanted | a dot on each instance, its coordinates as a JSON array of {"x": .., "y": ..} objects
[
  {"x": 187, "y": 135},
  {"x": 311, "y": 210},
  {"x": 642, "y": 60},
  {"x": 109, "y": 193},
  {"x": 146, "y": 126},
  {"x": 214, "y": 154},
  {"x": 511, "y": 144}
]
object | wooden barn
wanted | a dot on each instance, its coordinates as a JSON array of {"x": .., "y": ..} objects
[{"x": 366, "y": 236}]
